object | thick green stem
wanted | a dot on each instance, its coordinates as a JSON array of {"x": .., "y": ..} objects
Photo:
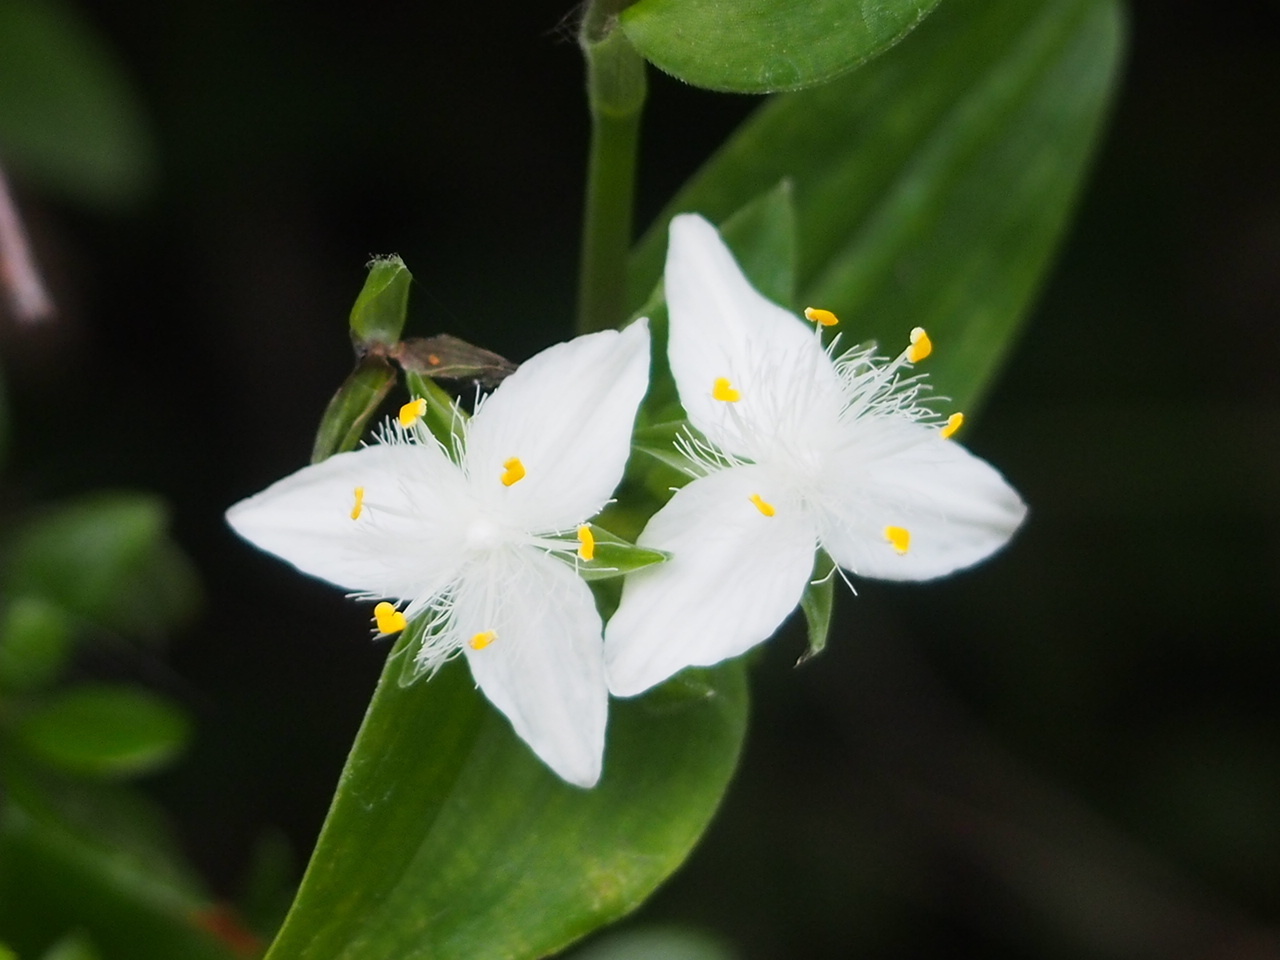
[{"x": 615, "y": 95}]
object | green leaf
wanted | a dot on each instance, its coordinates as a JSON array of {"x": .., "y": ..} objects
[
  {"x": 347, "y": 416},
  {"x": 449, "y": 839},
  {"x": 107, "y": 559},
  {"x": 378, "y": 316},
  {"x": 817, "y": 602},
  {"x": 762, "y": 235},
  {"x": 35, "y": 644},
  {"x": 932, "y": 186},
  {"x": 104, "y": 731},
  {"x": 760, "y": 46},
  {"x": 68, "y": 117}
]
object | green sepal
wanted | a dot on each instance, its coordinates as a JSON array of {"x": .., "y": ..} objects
[
  {"x": 104, "y": 731},
  {"x": 763, "y": 46},
  {"x": 347, "y": 416},
  {"x": 444, "y": 418},
  {"x": 615, "y": 557},
  {"x": 817, "y": 602},
  {"x": 377, "y": 319},
  {"x": 35, "y": 643},
  {"x": 659, "y": 441}
]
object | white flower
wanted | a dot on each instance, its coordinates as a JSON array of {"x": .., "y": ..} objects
[
  {"x": 801, "y": 451},
  {"x": 485, "y": 545}
]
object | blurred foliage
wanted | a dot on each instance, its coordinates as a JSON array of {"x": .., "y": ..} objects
[
  {"x": 69, "y": 117},
  {"x": 1064, "y": 754}
]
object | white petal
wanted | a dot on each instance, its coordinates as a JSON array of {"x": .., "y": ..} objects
[
  {"x": 403, "y": 543},
  {"x": 544, "y": 669},
  {"x": 733, "y": 577},
  {"x": 957, "y": 508},
  {"x": 721, "y": 327},
  {"x": 567, "y": 415}
]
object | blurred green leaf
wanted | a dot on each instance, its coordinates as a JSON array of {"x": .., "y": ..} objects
[
  {"x": 69, "y": 119},
  {"x": 74, "y": 947},
  {"x": 378, "y": 316},
  {"x": 932, "y": 186},
  {"x": 104, "y": 731},
  {"x": 96, "y": 857},
  {"x": 35, "y": 643},
  {"x": 762, "y": 235},
  {"x": 760, "y": 46},
  {"x": 817, "y": 602},
  {"x": 107, "y": 559},
  {"x": 449, "y": 839},
  {"x": 270, "y": 884},
  {"x": 6, "y": 953},
  {"x": 347, "y": 416},
  {"x": 657, "y": 943}
]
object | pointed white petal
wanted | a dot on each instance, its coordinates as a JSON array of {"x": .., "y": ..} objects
[
  {"x": 956, "y": 507},
  {"x": 543, "y": 668},
  {"x": 721, "y": 327},
  {"x": 733, "y": 577},
  {"x": 567, "y": 415},
  {"x": 402, "y": 544}
]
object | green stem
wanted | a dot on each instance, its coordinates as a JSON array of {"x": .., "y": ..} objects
[{"x": 615, "y": 96}]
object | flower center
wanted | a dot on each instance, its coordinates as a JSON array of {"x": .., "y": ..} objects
[{"x": 483, "y": 534}]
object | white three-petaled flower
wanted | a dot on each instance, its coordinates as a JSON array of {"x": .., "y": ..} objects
[
  {"x": 484, "y": 546},
  {"x": 800, "y": 451}
]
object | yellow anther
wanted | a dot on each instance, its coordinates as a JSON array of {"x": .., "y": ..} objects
[
  {"x": 483, "y": 639},
  {"x": 389, "y": 619},
  {"x": 763, "y": 505},
  {"x": 921, "y": 345},
  {"x": 954, "y": 423},
  {"x": 585, "y": 537},
  {"x": 900, "y": 537},
  {"x": 722, "y": 390},
  {"x": 818, "y": 315},
  {"x": 513, "y": 472},
  {"x": 359, "y": 507},
  {"x": 412, "y": 412}
]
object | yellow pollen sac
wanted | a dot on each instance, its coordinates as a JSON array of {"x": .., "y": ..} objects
[
  {"x": 824, "y": 317},
  {"x": 921, "y": 345},
  {"x": 359, "y": 507},
  {"x": 389, "y": 619},
  {"x": 954, "y": 423},
  {"x": 900, "y": 537},
  {"x": 763, "y": 505},
  {"x": 482, "y": 640},
  {"x": 585, "y": 537},
  {"x": 412, "y": 412},
  {"x": 513, "y": 472},
  {"x": 722, "y": 390}
]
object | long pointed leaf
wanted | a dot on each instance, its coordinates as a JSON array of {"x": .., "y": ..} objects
[{"x": 933, "y": 185}]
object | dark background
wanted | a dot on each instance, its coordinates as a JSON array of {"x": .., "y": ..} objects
[{"x": 1072, "y": 751}]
